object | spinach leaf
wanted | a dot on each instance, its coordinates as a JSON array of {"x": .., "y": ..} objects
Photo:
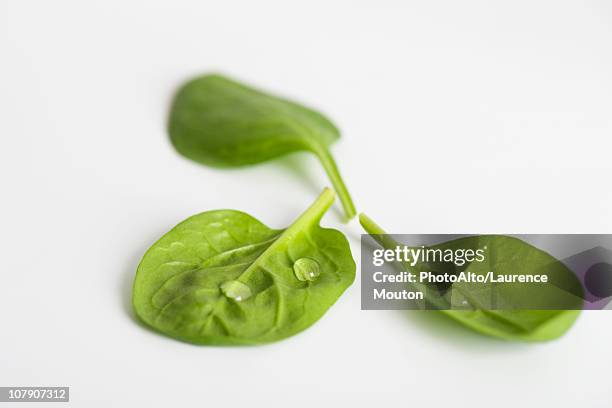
[
  {"x": 511, "y": 256},
  {"x": 222, "y": 277},
  {"x": 220, "y": 122}
]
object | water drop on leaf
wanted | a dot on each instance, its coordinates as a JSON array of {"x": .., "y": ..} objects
[
  {"x": 236, "y": 290},
  {"x": 306, "y": 269}
]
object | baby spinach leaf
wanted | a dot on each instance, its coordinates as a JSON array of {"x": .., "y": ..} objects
[
  {"x": 222, "y": 277},
  {"x": 220, "y": 122},
  {"x": 511, "y": 256}
]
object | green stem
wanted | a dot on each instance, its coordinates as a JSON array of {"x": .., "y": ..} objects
[
  {"x": 387, "y": 242},
  {"x": 331, "y": 169},
  {"x": 312, "y": 215},
  {"x": 370, "y": 226},
  {"x": 377, "y": 232}
]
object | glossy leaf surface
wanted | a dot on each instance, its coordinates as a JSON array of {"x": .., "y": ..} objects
[
  {"x": 222, "y": 277},
  {"x": 220, "y": 122},
  {"x": 510, "y": 256}
]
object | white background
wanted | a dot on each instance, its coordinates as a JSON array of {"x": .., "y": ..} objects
[{"x": 456, "y": 117}]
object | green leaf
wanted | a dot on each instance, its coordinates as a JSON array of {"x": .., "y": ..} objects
[
  {"x": 222, "y": 277},
  {"x": 220, "y": 122},
  {"x": 509, "y": 256}
]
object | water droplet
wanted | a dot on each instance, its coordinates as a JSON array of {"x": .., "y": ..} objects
[
  {"x": 306, "y": 269},
  {"x": 236, "y": 290}
]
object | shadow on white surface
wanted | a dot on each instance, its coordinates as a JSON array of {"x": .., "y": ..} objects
[{"x": 448, "y": 330}]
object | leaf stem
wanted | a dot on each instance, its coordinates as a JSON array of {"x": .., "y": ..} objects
[
  {"x": 385, "y": 240},
  {"x": 333, "y": 173},
  {"x": 379, "y": 235},
  {"x": 311, "y": 216},
  {"x": 370, "y": 226}
]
